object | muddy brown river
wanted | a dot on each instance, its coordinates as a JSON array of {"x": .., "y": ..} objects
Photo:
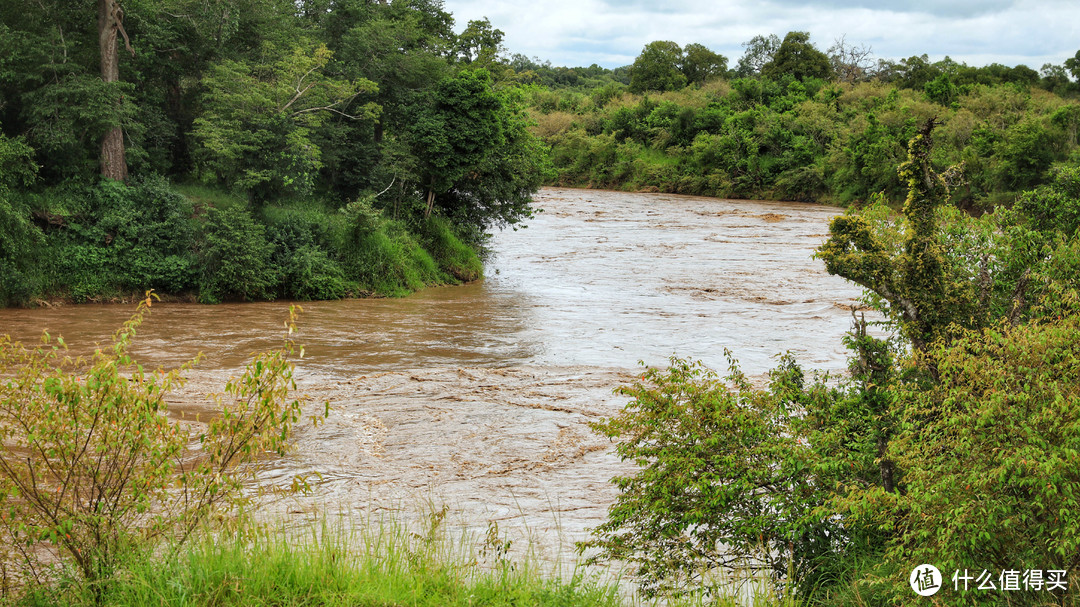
[{"x": 478, "y": 396}]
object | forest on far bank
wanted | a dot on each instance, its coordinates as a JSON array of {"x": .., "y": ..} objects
[
  {"x": 791, "y": 122},
  {"x": 244, "y": 150}
]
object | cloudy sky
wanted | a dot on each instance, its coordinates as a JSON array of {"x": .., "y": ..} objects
[{"x": 611, "y": 33}]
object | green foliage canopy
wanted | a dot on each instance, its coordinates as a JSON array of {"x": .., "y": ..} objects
[
  {"x": 657, "y": 68},
  {"x": 256, "y": 133},
  {"x": 700, "y": 64},
  {"x": 797, "y": 57}
]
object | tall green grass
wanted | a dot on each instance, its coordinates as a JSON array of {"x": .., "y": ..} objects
[
  {"x": 376, "y": 563},
  {"x": 453, "y": 255},
  {"x": 380, "y": 565}
]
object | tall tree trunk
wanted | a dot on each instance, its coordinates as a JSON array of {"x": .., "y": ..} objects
[{"x": 110, "y": 23}]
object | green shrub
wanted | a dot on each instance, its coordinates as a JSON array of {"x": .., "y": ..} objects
[
  {"x": 84, "y": 271},
  {"x": 302, "y": 239},
  {"x": 723, "y": 484},
  {"x": 92, "y": 467},
  {"x": 307, "y": 274},
  {"x": 114, "y": 238},
  {"x": 235, "y": 257},
  {"x": 992, "y": 458},
  {"x": 151, "y": 234},
  {"x": 20, "y": 250},
  {"x": 20, "y": 240}
]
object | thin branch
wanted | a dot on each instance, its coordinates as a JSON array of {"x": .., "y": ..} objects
[
  {"x": 299, "y": 93},
  {"x": 327, "y": 108},
  {"x": 118, "y": 17},
  {"x": 387, "y": 187}
]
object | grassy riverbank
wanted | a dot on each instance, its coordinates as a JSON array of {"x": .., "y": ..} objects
[{"x": 377, "y": 564}]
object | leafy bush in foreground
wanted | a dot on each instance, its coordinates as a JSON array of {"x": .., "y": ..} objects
[
  {"x": 92, "y": 466},
  {"x": 724, "y": 484}
]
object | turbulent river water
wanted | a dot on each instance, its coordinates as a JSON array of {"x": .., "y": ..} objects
[{"x": 478, "y": 396}]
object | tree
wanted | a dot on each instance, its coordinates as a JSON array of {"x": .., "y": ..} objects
[
  {"x": 759, "y": 52},
  {"x": 1025, "y": 154},
  {"x": 657, "y": 68},
  {"x": 850, "y": 63},
  {"x": 700, "y": 64},
  {"x": 797, "y": 57},
  {"x": 1054, "y": 77},
  {"x": 402, "y": 47},
  {"x": 477, "y": 161},
  {"x": 915, "y": 283},
  {"x": 110, "y": 24},
  {"x": 1073, "y": 65},
  {"x": 256, "y": 132},
  {"x": 480, "y": 45},
  {"x": 60, "y": 86},
  {"x": 455, "y": 130},
  {"x": 915, "y": 71},
  {"x": 498, "y": 191}
]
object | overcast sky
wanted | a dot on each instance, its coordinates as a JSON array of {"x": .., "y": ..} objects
[{"x": 612, "y": 33}]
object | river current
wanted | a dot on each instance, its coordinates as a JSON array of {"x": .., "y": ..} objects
[
  {"x": 478, "y": 397},
  {"x": 597, "y": 278}
]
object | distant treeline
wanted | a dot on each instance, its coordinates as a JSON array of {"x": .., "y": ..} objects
[{"x": 795, "y": 123}]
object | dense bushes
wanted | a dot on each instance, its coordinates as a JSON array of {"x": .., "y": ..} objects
[
  {"x": 235, "y": 257},
  {"x": 955, "y": 442},
  {"x": 20, "y": 246},
  {"x": 806, "y": 140},
  {"x": 992, "y": 452},
  {"x": 114, "y": 240},
  {"x": 724, "y": 482}
]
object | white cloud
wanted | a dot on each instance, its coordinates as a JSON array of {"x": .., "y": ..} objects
[{"x": 582, "y": 32}]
